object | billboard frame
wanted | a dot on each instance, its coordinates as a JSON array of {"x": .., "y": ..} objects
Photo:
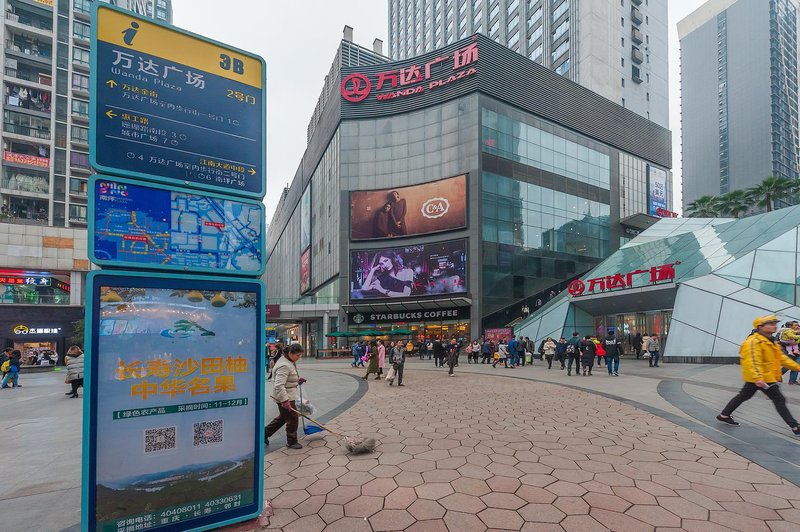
[
  {"x": 412, "y": 297},
  {"x": 94, "y": 280},
  {"x": 350, "y": 193}
]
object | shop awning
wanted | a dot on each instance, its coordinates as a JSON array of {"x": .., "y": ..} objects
[
  {"x": 415, "y": 304},
  {"x": 632, "y": 300},
  {"x": 640, "y": 221}
]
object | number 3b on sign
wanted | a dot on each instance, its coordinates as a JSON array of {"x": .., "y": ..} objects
[{"x": 234, "y": 64}]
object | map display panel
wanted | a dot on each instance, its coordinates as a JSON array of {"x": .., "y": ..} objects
[{"x": 162, "y": 227}]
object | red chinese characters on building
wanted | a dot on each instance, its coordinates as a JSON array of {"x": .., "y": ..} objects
[
  {"x": 411, "y": 79},
  {"x": 657, "y": 274}
]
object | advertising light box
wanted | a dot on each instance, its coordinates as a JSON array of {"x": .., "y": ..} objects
[
  {"x": 410, "y": 271},
  {"x": 415, "y": 210},
  {"x": 175, "y": 441}
]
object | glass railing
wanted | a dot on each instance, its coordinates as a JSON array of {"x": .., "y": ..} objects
[
  {"x": 20, "y": 129},
  {"x": 39, "y": 219},
  {"x": 303, "y": 301},
  {"x": 27, "y": 75},
  {"x": 26, "y": 183},
  {"x": 29, "y": 49},
  {"x": 32, "y": 21}
]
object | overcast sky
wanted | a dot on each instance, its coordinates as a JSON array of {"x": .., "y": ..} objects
[{"x": 298, "y": 40}]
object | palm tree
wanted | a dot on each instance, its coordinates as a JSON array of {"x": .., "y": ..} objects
[
  {"x": 704, "y": 207},
  {"x": 772, "y": 189},
  {"x": 736, "y": 202}
]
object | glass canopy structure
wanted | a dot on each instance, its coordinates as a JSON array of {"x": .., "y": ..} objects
[{"x": 707, "y": 277}]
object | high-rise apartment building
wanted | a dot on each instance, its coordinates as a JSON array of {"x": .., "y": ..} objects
[
  {"x": 616, "y": 48},
  {"x": 45, "y": 164},
  {"x": 739, "y": 107}
]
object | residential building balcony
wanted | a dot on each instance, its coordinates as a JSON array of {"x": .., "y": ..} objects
[
  {"x": 636, "y": 74},
  {"x": 636, "y": 15},
  {"x": 24, "y": 73},
  {"x": 30, "y": 20},
  {"x": 637, "y": 56},
  {"x": 26, "y": 125},
  {"x": 26, "y": 48},
  {"x": 636, "y": 35},
  {"x": 18, "y": 180},
  {"x": 78, "y": 187}
]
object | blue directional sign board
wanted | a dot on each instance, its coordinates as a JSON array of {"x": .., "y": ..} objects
[
  {"x": 173, "y": 107},
  {"x": 156, "y": 226}
]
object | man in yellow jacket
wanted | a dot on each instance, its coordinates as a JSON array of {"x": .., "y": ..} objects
[{"x": 762, "y": 361}]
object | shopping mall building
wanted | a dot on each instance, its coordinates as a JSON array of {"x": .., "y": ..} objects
[
  {"x": 449, "y": 193},
  {"x": 696, "y": 283}
]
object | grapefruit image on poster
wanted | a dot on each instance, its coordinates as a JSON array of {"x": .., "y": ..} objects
[
  {"x": 177, "y": 371},
  {"x": 421, "y": 209}
]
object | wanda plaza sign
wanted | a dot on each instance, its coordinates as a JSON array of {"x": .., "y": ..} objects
[
  {"x": 658, "y": 274},
  {"x": 412, "y": 79}
]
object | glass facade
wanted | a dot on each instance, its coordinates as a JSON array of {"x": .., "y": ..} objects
[
  {"x": 527, "y": 215},
  {"x": 549, "y": 223},
  {"x": 515, "y": 140},
  {"x": 783, "y": 69},
  {"x": 726, "y": 273}
]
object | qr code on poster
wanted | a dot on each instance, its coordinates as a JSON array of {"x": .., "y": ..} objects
[
  {"x": 159, "y": 439},
  {"x": 208, "y": 432}
]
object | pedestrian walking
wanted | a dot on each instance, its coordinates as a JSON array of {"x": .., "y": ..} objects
[
  {"x": 549, "y": 351},
  {"x": 74, "y": 360},
  {"x": 285, "y": 381},
  {"x": 588, "y": 352},
  {"x": 561, "y": 351},
  {"x": 486, "y": 351},
  {"x": 790, "y": 342},
  {"x": 636, "y": 343},
  {"x": 372, "y": 361},
  {"x": 762, "y": 359},
  {"x": 438, "y": 353},
  {"x": 5, "y": 355},
  {"x": 452, "y": 356},
  {"x": 574, "y": 354},
  {"x": 468, "y": 349},
  {"x": 476, "y": 351},
  {"x": 355, "y": 349},
  {"x": 512, "y": 352},
  {"x": 397, "y": 358},
  {"x": 613, "y": 347},
  {"x": 521, "y": 351},
  {"x": 381, "y": 357},
  {"x": 429, "y": 349},
  {"x": 502, "y": 354},
  {"x": 654, "y": 348},
  {"x": 600, "y": 351},
  {"x": 10, "y": 369}
]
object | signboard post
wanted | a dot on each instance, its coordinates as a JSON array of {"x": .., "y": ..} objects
[{"x": 174, "y": 410}]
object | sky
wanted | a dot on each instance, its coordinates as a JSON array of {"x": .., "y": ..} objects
[{"x": 298, "y": 40}]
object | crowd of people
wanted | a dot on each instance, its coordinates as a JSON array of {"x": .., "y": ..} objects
[
  {"x": 11, "y": 360},
  {"x": 582, "y": 353}
]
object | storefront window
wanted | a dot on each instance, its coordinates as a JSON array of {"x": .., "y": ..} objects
[{"x": 18, "y": 289}]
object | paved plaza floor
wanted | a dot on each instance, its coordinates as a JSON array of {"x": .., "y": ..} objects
[{"x": 488, "y": 449}]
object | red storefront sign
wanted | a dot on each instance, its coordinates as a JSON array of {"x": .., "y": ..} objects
[
  {"x": 658, "y": 274},
  {"x": 664, "y": 213},
  {"x": 412, "y": 79},
  {"x": 21, "y": 158}
]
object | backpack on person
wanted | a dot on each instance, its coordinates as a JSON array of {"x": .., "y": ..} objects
[{"x": 6, "y": 367}]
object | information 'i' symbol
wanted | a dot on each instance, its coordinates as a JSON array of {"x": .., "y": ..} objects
[{"x": 130, "y": 33}]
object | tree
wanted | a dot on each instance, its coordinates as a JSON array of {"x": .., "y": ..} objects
[
  {"x": 77, "y": 333},
  {"x": 704, "y": 207},
  {"x": 772, "y": 189},
  {"x": 735, "y": 203}
]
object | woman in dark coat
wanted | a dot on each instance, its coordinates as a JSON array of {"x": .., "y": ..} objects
[{"x": 373, "y": 360}]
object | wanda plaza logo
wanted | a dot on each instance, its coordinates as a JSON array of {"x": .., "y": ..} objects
[
  {"x": 413, "y": 79},
  {"x": 658, "y": 274}
]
